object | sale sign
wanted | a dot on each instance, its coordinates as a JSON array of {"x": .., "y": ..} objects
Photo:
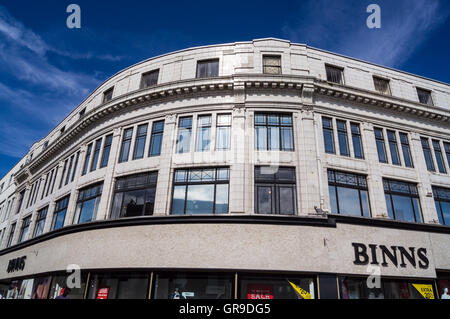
[
  {"x": 255, "y": 291},
  {"x": 103, "y": 293}
]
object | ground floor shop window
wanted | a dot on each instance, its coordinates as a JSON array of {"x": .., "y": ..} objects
[
  {"x": 283, "y": 287},
  {"x": 29, "y": 288},
  {"x": 118, "y": 286},
  {"x": 60, "y": 288},
  {"x": 193, "y": 286},
  {"x": 443, "y": 286}
]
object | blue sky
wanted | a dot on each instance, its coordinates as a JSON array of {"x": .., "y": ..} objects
[{"x": 46, "y": 69}]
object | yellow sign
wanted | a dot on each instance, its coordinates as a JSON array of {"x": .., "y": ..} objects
[
  {"x": 425, "y": 290},
  {"x": 300, "y": 291}
]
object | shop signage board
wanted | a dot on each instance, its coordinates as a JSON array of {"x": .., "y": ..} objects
[{"x": 259, "y": 291}]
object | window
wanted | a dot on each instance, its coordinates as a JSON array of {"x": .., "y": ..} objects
[
  {"x": 87, "y": 158},
  {"x": 54, "y": 179},
  {"x": 126, "y": 145},
  {"x": 139, "y": 144},
  {"x": 392, "y": 139},
  {"x": 87, "y": 204},
  {"x": 348, "y": 194},
  {"x": 82, "y": 112},
  {"x": 60, "y": 213},
  {"x": 273, "y": 132},
  {"x": 59, "y": 284},
  {"x": 381, "y": 148},
  {"x": 96, "y": 154},
  {"x": 439, "y": 157},
  {"x": 328, "y": 137},
  {"x": 134, "y": 195},
  {"x": 184, "y": 134},
  {"x": 11, "y": 235},
  {"x": 69, "y": 170},
  {"x": 203, "y": 133},
  {"x": 45, "y": 146},
  {"x": 356, "y": 139},
  {"x": 402, "y": 201},
  {"x": 25, "y": 228},
  {"x": 149, "y": 79},
  {"x": 427, "y": 154},
  {"x": 381, "y": 85},
  {"x": 21, "y": 198},
  {"x": 208, "y": 68},
  {"x": 406, "y": 150},
  {"x": 156, "y": 139},
  {"x": 342, "y": 138},
  {"x": 275, "y": 191},
  {"x": 200, "y": 191},
  {"x": 107, "y": 95},
  {"x": 106, "y": 151},
  {"x": 425, "y": 97},
  {"x": 447, "y": 152},
  {"x": 223, "y": 134},
  {"x": 442, "y": 202},
  {"x": 272, "y": 64},
  {"x": 334, "y": 74},
  {"x": 75, "y": 166},
  {"x": 118, "y": 286},
  {"x": 40, "y": 222},
  {"x": 50, "y": 180},
  {"x": 63, "y": 173}
]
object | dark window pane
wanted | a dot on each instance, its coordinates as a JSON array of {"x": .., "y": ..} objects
[
  {"x": 207, "y": 69},
  {"x": 264, "y": 199},
  {"x": 150, "y": 79},
  {"x": 178, "y": 201},
  {"x": 221, "y": 199},
  {"x": 403, "y": 207},
  {"x": 287, "y": 200}
]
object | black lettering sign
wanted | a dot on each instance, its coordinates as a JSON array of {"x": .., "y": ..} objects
[{"x": 17, "y": 264}]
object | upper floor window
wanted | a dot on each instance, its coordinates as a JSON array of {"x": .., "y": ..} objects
[
  {"x": 402, "y": 200},
  {"x": 139, "y": 144},
  {"x": 393, "y": 147},
  {"x": 203, "y": 133},
  {"x": 25, "y": 228},
  {"x": 82, "y": 112},
  {"x": 427, "y": 154},
  {"x": 381, "y": 85},
  {"x": 273, "y": 132},
  {"x": 381, "y": 148},
  {"x": 184, "y": 134},
  {"x": 442, "y": 201},
  {"x": 96, "y": 154},
  {"x": 134, "y": 195},
  {"x": 342, "y": 137},
  {"x": 21, "y": 199},
  {"x": 343, "y": 128},
  {"x": 156, "y": 138},
  {"x": 223, "y": 134},
  {"x": 275, "y": 190},
  {"x": 208, "y": 68},
  {"x": 87, "y": 159},
  {"x": 45, "y": 146},
  {"x": 424, "y": 96},
  {"x": 200, "y": 191},
  {"x": 87, "y": 204},
  {"x": 40, "y": 222},
  {"x": 447, "y": 152},
  {"x": 439, "y": 157},
  {"x": 272, "y": 64},
  {"x": 328, "y": 136},
  {"x": 126, "y": 145},
  {"x": 11, "y": 235},
  {"x": 108, "y": 95},
  {"x": 349, "y": 194},
  {"x": 106, "y": 151},
  {"x": 357, "y": 141},
  {"x": 335, "y": 74},
  {"x": 59, "y": 216},
  {"x": 149, "y": 79}
]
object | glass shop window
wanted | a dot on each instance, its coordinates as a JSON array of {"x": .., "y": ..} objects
[
  {"x": 118, "y": 286},
  {"x": 59, "y": 289}
]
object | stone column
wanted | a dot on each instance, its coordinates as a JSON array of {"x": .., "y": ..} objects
[{"x": 240, "y": 144}]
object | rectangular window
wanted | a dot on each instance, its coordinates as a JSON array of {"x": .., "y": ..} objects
[
  {"x": 121, "y": 285},
  {"x": 96, "y": 154},
  {"x": 200, "y": 191},
  {"x": 334, "y": 74},
  {"x": 392, "y": 139},
  {"x": 342, "y": 138},
  {"x": 442, "y": 201},
  {"x": 149, "y": 79},
  {"x": 427, "y": 154},
  {"x": 87, "y": 159},
  {"x": 272, "y": 64},
  {"x": 275, "y": 190},
  {"x": 203, "y": 133},
  {"x": 425, "y": 97},
  {"x": 328, "y": 135},
  {"x": 63, "y": 173},
  {"x": 156, "y": 139},
  {"x": 45, "y": 185},
  {"x": 60, "y": 213},
  {"x": 69, "y": 170},
  {"x": 381, "y": 85},
  {"x": 402, "y": 201},
  {"x": 40, "y": 222},
  {"x": 75, "y": 166},
  {"x": 223, "y": 134},
  {"x": 439, "y": 157},
  {"x": 25, "y": 228},
  {"x": 21, "y": 198},
  {"x": 50, "y": 181},
  {"x": 273, "y": 132},
  {"x": 134, "y": 195},
  {"x": 87, "y": 204},
  {"x": 406, "y": 149},
  {"x": 126, "y": 145},
  {"x": 106, "y": 151},
  {"x": 349, "y": 194},
  {"x": 184, "y": 134},
  {"x": 107, "y": 95},
  {"x": 357, "y": 141},
  {"x": 11, "y": 235},
  {"x": 208, "y": 68},
  {"x": 139, "y": 144},
  {"x": 54, "y": 179},
  {"x": 381, "y": 148},
  {"x": 447, "y": 152}
]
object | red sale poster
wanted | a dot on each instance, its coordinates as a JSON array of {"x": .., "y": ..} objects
[
  {"x": 103, "y": 293},
  {"x": 255, "y": 291}
]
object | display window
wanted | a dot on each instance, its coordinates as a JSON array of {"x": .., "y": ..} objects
[
  {"x": 118, "y": 286},
  {"x": 276, "y": 287},
  {"x": 443, "y": 286},
  {"x": 41, "y": 287},
  {"x": 62, "y": 287}
]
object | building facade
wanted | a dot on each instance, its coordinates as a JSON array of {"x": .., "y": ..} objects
[{"x": 262, "y": 169}]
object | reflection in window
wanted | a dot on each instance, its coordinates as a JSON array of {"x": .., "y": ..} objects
[
  {"x": 86, "y": 159},
  {"x": 276, "y": 287},
  {"x": 274, "y": 132},
  {"x": 328, "y": 137},
  {"x": 184, "y": 134},
  {"x": 223, "y": 134},
  {"x": 406, "y": 150},
  {"x": 118, "y": 286},
  {"x": 447, "y": 152},
  {"x": 11, "y": 235},
  {"x": 272, "y": 64},
  {"x": 60, "y": 213},
  {"x": 425, "y": 97},
  {"x": 134, "y": 195},
  {"x": 275, "y": 191},
  {"x": 139, "y": 144},
  {"x": 381, "y": 85},
  {"x": 25, "y": 228},
  {"x": 427, "y": 154},
  {"x": 200, "y": 191},
  {"x": 356, "y": 139},
  {"x": 106, "y": 151},
  {"x": 381, "y": 148},
  {"x": 442, "y": 202},
  {"x": 208, "y": 68},
  {"x": 342, "y": 138},
  {"x": 393, "y": 147},
  {"x": 334, "y": 74},
  {"x": 439, "y": 157},
  {"x": 40, "y": 222},
  {"x": 203, "y": 133},
  {"x": 348, "y": 194},
  {"x": 402, "y": 201},
  {"x": 126, "y": 145},
  {"x": 58, "y": 288},
  {"x": 149, "y": 79},
  {"x": 156, "y": 139},
  {"x": 96, "y": 154},
  {"x": 87, "y": 205}
]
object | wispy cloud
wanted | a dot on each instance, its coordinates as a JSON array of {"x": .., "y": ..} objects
[{"x": 340, "y": 26}]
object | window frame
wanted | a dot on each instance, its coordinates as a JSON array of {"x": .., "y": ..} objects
[
  {"x": 140, "y": 137},
  {"x": 58, "y": 210},
  {"x": 149, "y": 73},
  {"x": 126, "y": 140},
  {"x": 156, "y": 132},
  {"x": 380, "y": 80},
  {"x": 181, "y": 129},
  {"x": 330, "y": 67},
  {"x": 381, "y": 141},
  {"x": 280, "y": 125},
  {"x": 40, "y": 217},
  {"x": 24, "y": 228},
  {"x": 429, "y": 160},
  {"x": 207, "y": 61},
  {"x": 279, "y": 67},
  {"x": 106, "y": 150},
  {"x": 438, "y": 202},
  {"x": 410, "y": 195},
  {"x": 82, "y": 198},
  {"x": 421, "y": 92},
  {"x": 108, "y": 95}
]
